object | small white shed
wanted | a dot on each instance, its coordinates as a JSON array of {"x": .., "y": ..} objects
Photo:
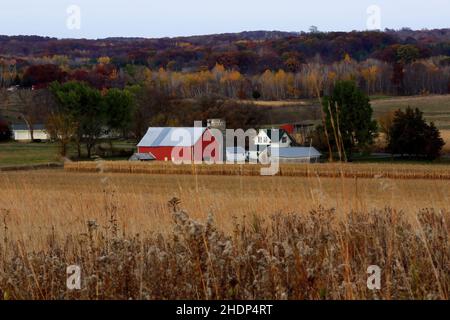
[{"x": 22, "y": 133}]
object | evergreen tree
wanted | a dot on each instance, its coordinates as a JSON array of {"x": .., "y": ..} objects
[{"x": 411, "y": 135}]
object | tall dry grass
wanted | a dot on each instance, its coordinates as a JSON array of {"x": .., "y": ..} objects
[
  {"x": 294, "y": 257},
  {"x": 244, "y": 237}
]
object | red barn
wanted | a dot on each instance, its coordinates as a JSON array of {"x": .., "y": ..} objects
[{"x": 180, "y": 144}]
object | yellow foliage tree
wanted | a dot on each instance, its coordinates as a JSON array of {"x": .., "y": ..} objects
[{"x": 104, "y": 60}]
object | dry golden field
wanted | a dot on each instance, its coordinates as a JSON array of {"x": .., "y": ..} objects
[
  {"x": 244, "y": 237},
  {"x": 445, "y": 134}
]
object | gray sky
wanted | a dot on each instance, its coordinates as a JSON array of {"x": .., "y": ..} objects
[{"x": 150, "y": 18}]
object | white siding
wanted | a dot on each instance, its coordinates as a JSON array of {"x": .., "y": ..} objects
[{"x": 262, "y": 139}]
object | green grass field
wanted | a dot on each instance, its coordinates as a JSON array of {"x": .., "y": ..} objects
[
  {"x": 435, "y": 108},
  {"x": 15, "y": 153}
]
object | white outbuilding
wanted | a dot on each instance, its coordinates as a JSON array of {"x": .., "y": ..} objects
[
  {"x": 21, "y": 132},
  {"x": 295, "y": 154}
]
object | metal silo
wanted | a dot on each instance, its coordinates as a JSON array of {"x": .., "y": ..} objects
[{"x": 221, "y": 125}]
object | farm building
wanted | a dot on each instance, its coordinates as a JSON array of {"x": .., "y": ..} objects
[
  {"x": 287, "y": 155},
  {"x": 299, "y": 127},
  {"x": 301, "y": 131},
  {"x": 21, "y": 132},
  {"x": 266, "y": 137},
  {"x": 180, "y": 144},
  {"x": 236, "y": 154},
  {"x": 295, "y": 154},
  {"x": 283, "y": 147},
  {"x": 142, "y": 157}
]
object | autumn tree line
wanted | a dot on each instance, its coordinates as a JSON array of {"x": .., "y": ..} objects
[
  {"x": 252, "y": 65},
  {"x": 408, "y": 76},
  {"x": 372, "y": 76}
]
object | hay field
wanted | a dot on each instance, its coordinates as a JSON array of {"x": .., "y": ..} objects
[
  {"x": 436, "y": 108},
  {"x": 63, "y": 202},
  {"x": 242, "y": 237}
]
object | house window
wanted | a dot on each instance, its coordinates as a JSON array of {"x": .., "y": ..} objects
[
  {"x": 260, "y": 139},
  {"x": 284, "y": 140}
]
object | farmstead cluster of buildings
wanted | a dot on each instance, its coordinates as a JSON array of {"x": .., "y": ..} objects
[{"x": 214, "y": 143}]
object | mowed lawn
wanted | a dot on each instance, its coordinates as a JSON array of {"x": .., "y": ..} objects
[{"x": 16, "y": 153}]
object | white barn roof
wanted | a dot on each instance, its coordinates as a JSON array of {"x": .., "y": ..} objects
[{"x": 171, "y": 137}]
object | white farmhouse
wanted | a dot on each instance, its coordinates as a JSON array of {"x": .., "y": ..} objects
[
  {"x": 280, "y": 145},
  {"x": 276, "y": 138}
]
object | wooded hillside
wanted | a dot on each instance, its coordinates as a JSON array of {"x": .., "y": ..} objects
[{"x": 260, "y": 64}]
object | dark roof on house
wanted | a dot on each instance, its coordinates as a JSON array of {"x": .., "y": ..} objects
[
  {"x": 281, "y": 133},
  {"x": 21, "y": 126}
]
